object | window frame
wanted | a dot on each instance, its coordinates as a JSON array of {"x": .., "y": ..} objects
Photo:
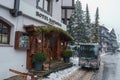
[
  {"x": 8, "y": 34},
  {"x": 42, "y": 8}
]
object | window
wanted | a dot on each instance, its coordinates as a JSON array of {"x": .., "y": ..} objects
[
  {"x": 4, "y": 32},
  {"x": 44, "y": 5}
]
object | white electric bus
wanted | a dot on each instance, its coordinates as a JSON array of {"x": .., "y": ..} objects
[{"x": 89, "y": 55}]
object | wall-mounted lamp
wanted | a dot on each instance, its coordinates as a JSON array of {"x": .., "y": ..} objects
[
  {"x": 39, "y": 41},
  {"x": 61, "y": 44}
]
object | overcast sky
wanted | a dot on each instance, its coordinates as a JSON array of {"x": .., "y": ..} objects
[{"x": 109, "y": 13}]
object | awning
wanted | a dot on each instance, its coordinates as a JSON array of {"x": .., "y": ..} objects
[{"x": 48, "y": 30}]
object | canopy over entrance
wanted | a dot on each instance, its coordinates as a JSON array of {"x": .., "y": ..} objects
[
  {"x": 48, "y": 30},
  {"x": 48, "y": 39}
]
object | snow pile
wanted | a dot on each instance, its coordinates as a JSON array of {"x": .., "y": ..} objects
[
  {"x": 60, "y": 75},
  {"x": 74, "y": 60}
]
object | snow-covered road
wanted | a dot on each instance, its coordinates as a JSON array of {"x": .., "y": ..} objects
[{"x": 111, "y": 67}]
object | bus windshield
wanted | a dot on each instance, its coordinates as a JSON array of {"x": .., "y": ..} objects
[{"x": 88, "y": 51}]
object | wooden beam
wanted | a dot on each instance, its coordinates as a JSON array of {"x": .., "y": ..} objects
[{"x": 24, "y": 75}]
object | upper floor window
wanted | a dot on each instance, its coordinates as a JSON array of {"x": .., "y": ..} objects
[
  {"x": 4, "y": 32},
  {"x": 45, "y": 5}
]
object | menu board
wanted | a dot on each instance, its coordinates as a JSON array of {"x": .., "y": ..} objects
[
  {"x": 24, "y": 41},
  {"x": 21, "y": 40}
]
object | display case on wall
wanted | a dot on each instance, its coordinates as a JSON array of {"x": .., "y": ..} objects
[{"x": 21, "y": 40}]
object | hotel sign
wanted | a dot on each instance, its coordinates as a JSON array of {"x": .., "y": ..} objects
[
  {"x": 47, "y": 9},
  {"x": 37, "y": 14},
  {"x": 48, "y": 19}
]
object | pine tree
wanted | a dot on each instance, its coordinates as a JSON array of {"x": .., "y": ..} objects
[
  {"x": 88, "y": 24},
  {"x": 87, "y": 16},
  {"x": 80, "y": 26},
  {"x": 96, "y": 27},
  {"x": 78, "y": 12},
  {"x": 76, "y": 24}
]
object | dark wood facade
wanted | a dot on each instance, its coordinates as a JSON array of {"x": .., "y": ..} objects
[{"x": 52, "y": 44}]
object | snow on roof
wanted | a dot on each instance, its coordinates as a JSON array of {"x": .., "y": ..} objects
[{"x": 88, "y": 44}]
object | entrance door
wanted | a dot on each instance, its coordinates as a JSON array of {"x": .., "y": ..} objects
[{"x": 53, "y": 47}]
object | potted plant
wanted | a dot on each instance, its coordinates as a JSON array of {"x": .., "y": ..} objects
[
  {"x": 38, "y": 60},
  {"x": 66, "y": 54}
]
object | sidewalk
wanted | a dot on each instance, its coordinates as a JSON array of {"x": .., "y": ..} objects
[{"x": 60, "y": 75}]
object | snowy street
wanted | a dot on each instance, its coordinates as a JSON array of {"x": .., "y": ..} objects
[
  {"x": 109, "y": 70},
  {"x": 111, "y": 67}
]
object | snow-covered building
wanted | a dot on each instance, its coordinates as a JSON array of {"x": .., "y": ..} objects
[
  {"x": 104, "y": 38},
  {"x": 108, "y": 39},
  {"x": 15, "y": 15},
  {"x": 67, "y": 8},
  {"x": 113, "y": 41}
]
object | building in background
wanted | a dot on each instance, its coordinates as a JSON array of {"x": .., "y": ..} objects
[
  {"x": 104, "y": 38},
  {"x": 108, "y": 39},
  {"x": 113, "y": 41},
  {"x": 67, "y": 8}
]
